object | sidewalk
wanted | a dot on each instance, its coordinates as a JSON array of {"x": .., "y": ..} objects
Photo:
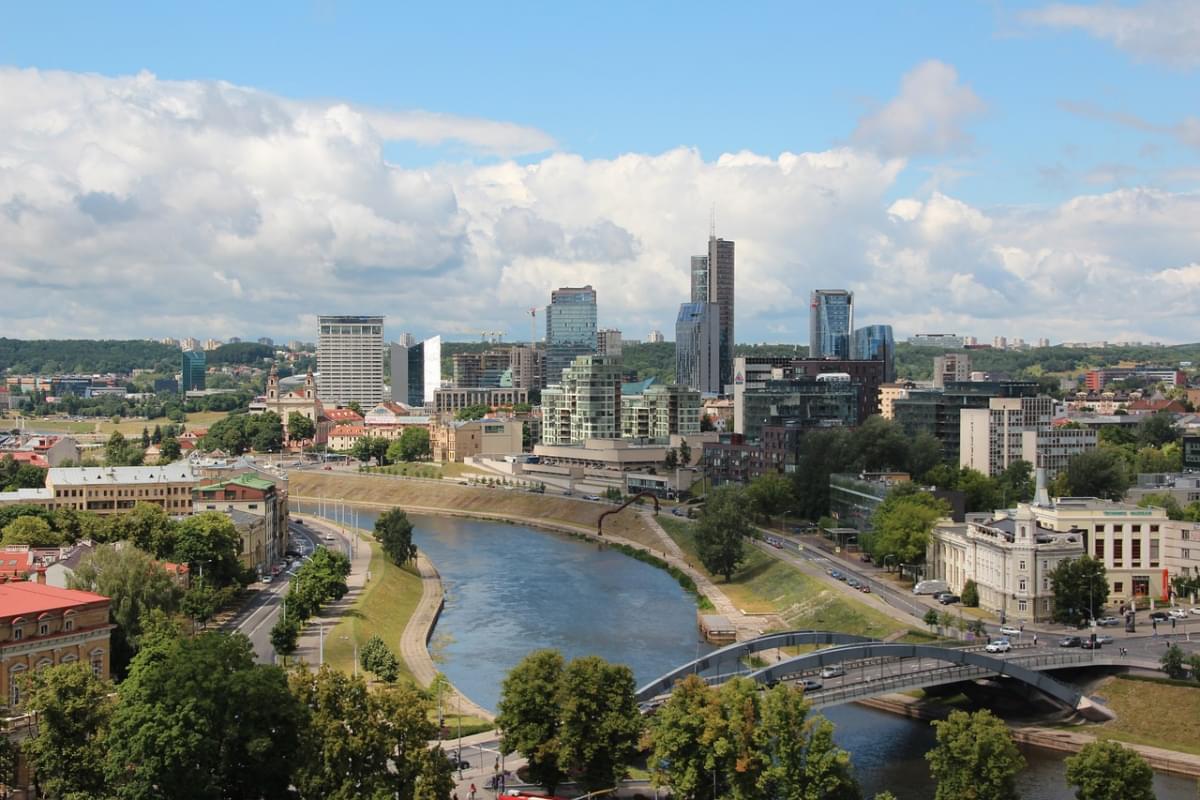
[{"x": 308, "y": 648}]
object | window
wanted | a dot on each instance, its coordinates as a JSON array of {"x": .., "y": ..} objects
[
  {"x": 43, "y": 629},
  {"x": 14, "y": 685},
  {"x": 1098, "y": 549},
  {"x": 1021, "y": 586},
  {"x": 1186, "y": 553},
  {"x": 1136, "y": 552},
  {"x": 17, "y": 634},
  {"x": 1118, "y": 551},
  {"x": 1118, "y": 528},
  {"x": 1022, "y": 606},
  {"x": 1118, "y": 587},
  {"x": 1154, "y": 529},
  {"x": 68, "y": 625},
  {"x": 1135, "y": 528},
  {"x": 98, "y": 663},
  {"x": 1022, "y": 567}
]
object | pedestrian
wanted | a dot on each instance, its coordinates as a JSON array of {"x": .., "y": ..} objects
[
  {"x": 471, "y": 796},
  {"x": 1035, "y": 640}
]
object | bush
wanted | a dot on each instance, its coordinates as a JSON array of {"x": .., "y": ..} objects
[
  {"x": 970, "y": 595},
  {"x": 376, "y": 657}
]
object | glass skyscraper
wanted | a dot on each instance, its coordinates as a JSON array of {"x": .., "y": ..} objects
[
  {"x": 875, "y": 343},
  {"x": 570, "y": 329},
  {"x": 698, "y": 347},
  {"x": 416, "y": 371},
  {"x": 713, "y": 282},
  {"x": 830, "y": 320},
  {"x": 194, "y": 367}
]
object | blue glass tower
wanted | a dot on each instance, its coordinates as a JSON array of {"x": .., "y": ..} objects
[
  {"x": 875, "y": 343},
  {"x": 831, "y": 318},
  {"x": 570, "y": 329}
]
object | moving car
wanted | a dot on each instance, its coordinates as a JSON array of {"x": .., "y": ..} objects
[
  {"x": 999, "y": 646},
  {"x": 1010, "y": 630},
  {"x": 833, "y": 671},
  {"x": 457, "y": 761},
  {"x": 1159, "y": 616},
  {"x": 837, "y": 575},
  {"x": 864, "y": 588},
  {"x": 1070, "y": 641},
  {"x": 1108, "y": 622},
  {"x": 1089, "y": 643},
  {"x": 852, "y": 583},
  {"x": 1178, "y": 613},
  {"x": 1196, "y": 610},
  {"x": 865, "y": 557},
  {"x": 1104, "y": 638},
  {"x": 948, "y": 599},
  {"x": 809, "y": 685}
]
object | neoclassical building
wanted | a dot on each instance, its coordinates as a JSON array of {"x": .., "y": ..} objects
[{"x": 301, "y": 401}]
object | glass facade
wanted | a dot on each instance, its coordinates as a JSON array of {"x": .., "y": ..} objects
[
  {"x": 807, "y": 402},
  {"x": 570, "y": 329},
  {"x": 191, "y": 376},
  {"x": 875, "y": 343},
  {"x": 698, "y": 347},
  {"x": 831, "y": 318},
  {"x": 417, "y": 372}
]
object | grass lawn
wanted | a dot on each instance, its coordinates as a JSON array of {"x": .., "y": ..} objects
[
  {"x": 104, "y": 427},
  {"x": 469, "y": 724},
  {"x": 765, "y": 584},
  {"x": 383, "y": 608},
  {"x": 1149, "y": 713}
]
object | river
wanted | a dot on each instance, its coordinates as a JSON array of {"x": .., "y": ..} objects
[{"x": 512, "y": 589}]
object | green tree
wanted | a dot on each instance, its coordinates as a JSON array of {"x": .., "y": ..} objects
[
  {"x": 266, "y": 432},
  {"x": 285, "y": 634},
  {"x": 599, "y": 721},
  {"x": 970, "y": 594},
  {"x": 1173, "y": 662},
  {"x": 202, "y": 601},
  {"x": 375, "y": 656},
  {"x": 393, "y": 531},
  {"x": 120, "y": 452},
  {"x": 148, "y": 527},
  {"x": 157, "y": 436},
  {"x": 983, "y": 493},
  {"x": 1080, "y": 587},
  {"x": 930, "y": 618},
  {"x": 436, "y": 778},
  {"x": 671, "y": 459},
  {"x": 1106, "y": 770},
  {"x": 472, "y": 412},
  {"x": 1016, "y": 483},
  {"x": 73, "y": 709},
  {"x": 1194, "y": 665},
  {"x": 678, "y": 740},
  {"x": 197, "y": 719},
  {"x": 903, "y": 522},
  {"x": 209, "y": 544},
  {"x": 770, "y": 494},
  {"x": 414, "y": 443},
  {"x": 529, "y": 715},
  {"x": 974, "y": 757},
  {"x": 721, "y": 530},
  {"x": 300, "y": 428},
  {"x": 33, "y": 531},
  {"x": 924, "y": 453},
  {"x": 1164, "y": 501},
  {"x": 1157, "y": 430},
  {"x": 685, "y": 453},
  {"x": 145, "y": 437},
  {"x": 1097, "y": 473},
  {"x": 803, "y": 761},
  {"x": 822, "y": 453},
  {"x": 880, "y": 444},
  {"x": 169, "y": 450}
]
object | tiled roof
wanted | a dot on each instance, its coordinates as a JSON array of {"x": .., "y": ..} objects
[{"x": 24, "y": 598}]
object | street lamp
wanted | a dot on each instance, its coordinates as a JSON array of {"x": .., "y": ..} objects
[{"x": 347, "y": 638}]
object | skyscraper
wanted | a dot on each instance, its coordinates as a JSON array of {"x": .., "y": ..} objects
[
  {"x": 830, "y": 320},
  {"x": 713, "y": 282},
  {"x": 570, "y": 328},
  {"x": 698, "y": 347},
  {"x": 416, "y": 371},
  {"x": 608, "y": 342},
  {"x": 191, "y": 375},
  {"x": 876, "y": 343},
  {"x": 350, "y": 359}
]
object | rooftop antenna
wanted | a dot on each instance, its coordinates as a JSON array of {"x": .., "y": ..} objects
[
  {"x": 532, "y": 326},
  {"x": 712, "y": 222}
]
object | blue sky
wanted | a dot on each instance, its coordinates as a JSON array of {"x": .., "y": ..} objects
[{"x": 1053, "y": 102}]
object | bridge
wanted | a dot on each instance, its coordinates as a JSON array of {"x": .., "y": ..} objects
[{"x": 873, "y": 668}]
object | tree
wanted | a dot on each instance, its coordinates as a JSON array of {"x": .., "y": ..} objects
[
  {"x": 120, "y": 452},
  {"x": 671, "y": 459},
  {"x": 375, "y": 656},
  {"x": 1016, "y": 483},
  {"x": 285, "y": 634},
  {"x": 685, "y": 453},
  {"x": 1164, "y": 501},
  {"x": 300, "y": 428},
  {"x": 209, "y": 544},
  {"x": 1080, "y": 587},
  {"x": 149, "y": 528},
  {"x": 822, "y": 453},
  {"x": 436, "y": 778},
  {"x": 803, "y": 760},
  {"x": 393, "y": 531},
  {"x": 169, "y": 450},
  {"x": 1194, "y": 665},
  {"x": 1157, "y": 430},
  {"x": 930, "y": 618},
  {"x": 1105, "y": 770},
  {"x": 924, "y": 453},
  {"x": 970, "y": 594},
  {"x": 145, "y": 437},
  {"x": 720, "y": 533},
  {"x": 880, "y": 444},
  {"x": 472, "y": 412},
  {"x": 974, "y": 757},
  {"x": 414, "y": 443},
  {"x": 1173, "y": 662},
  {"x": 388, "y": 725},
  {"x": 983, "y": 493},
  {"x": 73, "y": 709},
  {"x": 903, "y": 522},
  {"x": 770, "y": 494},
  {"x": 198, "y": 719},
  {"x": 33, "y": 531},
  {"x": 529, "y": 715},
  {"x": 599, "y": 721},
  {"x": 266, "y": 432},
  {"x": 677, "y": 738},
  {"x": 1097, "y": 473}
]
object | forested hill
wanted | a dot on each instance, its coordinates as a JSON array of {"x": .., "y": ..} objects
[{"x": 47, "y": 356}]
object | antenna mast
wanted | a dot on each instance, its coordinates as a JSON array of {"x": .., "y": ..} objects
[
  {"x": 532, "y": 327},
  {"x": 712, "y": 222}
]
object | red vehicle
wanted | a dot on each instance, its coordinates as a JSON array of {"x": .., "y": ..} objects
[{"x": 526, "y": 794}]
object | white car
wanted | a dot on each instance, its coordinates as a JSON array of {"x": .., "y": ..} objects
[
  {"x": 833, "y": 671},
  {"x": 1178, "y": 613},
  {"x": 999, "y": 646},
  {"x": 1009, "y": 630},
  {"x": 1196, "y": 610}
]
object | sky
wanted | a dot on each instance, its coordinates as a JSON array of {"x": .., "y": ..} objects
[{"x": 218, "y": 169}]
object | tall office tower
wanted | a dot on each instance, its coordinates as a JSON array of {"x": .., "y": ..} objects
[
  {"x": 570, "y": 328},
  {"x": 830, "y": 320},
  {"x": 608, "y": 342},
  {"x": 528, "y": 367},
  {"x": 876, "y": 343},
  {"x": 416, "y": 371},
  {"x": 191, "y": 375},
  {"x": 586, "y": 404},
  {"x": 713, "y": 282},
  {"x": 350, "y": 359},
  {"x": 951, "y": 368},
  {"x": 698, "y": 347}
]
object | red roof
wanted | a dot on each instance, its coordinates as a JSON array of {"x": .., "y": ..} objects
[
  {"x": 28, "y": 457},
  {"x": 24, "y": 598},
  {"x": 343, "y": 415},
  {"x": 348, "y": 430}
]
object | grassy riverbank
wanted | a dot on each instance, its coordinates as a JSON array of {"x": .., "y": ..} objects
[
  {"x": 1151, "y": 712},
  {"x": 483, "y": 502},
  {"x": 766, "y": 585},
  {"x": 383, "y": 608}
]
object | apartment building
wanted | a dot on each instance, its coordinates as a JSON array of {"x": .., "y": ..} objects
[
  {"x": 350, "y": 359},
  {"x": 458, "y": 440},
  {"x": 264, "y": 540},
  {"x": 660, "y": 412},
  {"x": 587, "y": 405},
  {"x": 1018, "y": 428}
]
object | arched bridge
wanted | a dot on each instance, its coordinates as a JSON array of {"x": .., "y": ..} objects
[{"x": 873, "y": 668}]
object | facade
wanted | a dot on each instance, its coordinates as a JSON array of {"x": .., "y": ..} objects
[
  {"x": 570, "y": 328},
  {"x": 1181, "y": 549},
  {"x": 112, "y": 490},
  {"x": 43, "y": 626},
  {"x": 1097, "y": 379},
  {"x": 857, "y": 381},
  {"x": 830, "y": 320},
  {"x": 809, "y": 402},
  {"x": 416, "y": 371},
  {"x": 487, "y": 369},
  {"x": 1018, "y": 428},
  {"x": 938, "y": 412},
  {"x": 876, "y": 343},
  {"x": 350, "y": 359},
  {"x": 732, "y": 460},
  {"x": 654, "y": 337},
  {"x": 660, "y": 413},
  {"x": 193, "y": 368},
  {"x": 1009, "y": 555},
  {"x": 302, "y": 401},
  {"x": 700, "y": 279},
  {"x": 458, "y": 440},
  {"x": 587, "y": 404},
  {"x": 527, "y": 368},
  {"x": 1183, "y": 488},
  {"x": 721, "y": 287},
  {"x": 608, "y": 342},
  {"x": 38, "y": 449},
  {"x": 889, "y": 393},
  {"x": 264, "y": 539},
  {"x": 951, "y": 368},
  {"x": 451, "y": 401},
  {"x": 698, "y": 347},
  {"x": 853, "y": 498},
  {"x": 948, "y": 341}
]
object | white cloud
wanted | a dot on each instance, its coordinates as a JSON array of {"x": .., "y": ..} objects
[
  {"x": 926, "y": 117},
  {"x": 132, "y": 206},
  {"x": 1167, "y": 31}
]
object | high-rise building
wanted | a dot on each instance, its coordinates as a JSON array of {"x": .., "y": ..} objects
[
  {"x": 528, "y": 367},
  {"x": 350, "y": 359},
  {"x": 169, "y": 342},
  {"x": 570, "y": 328},
  {"x": 654, "y": 337},
  {"x": 875, "y": 343},
  {"x": 191, "y": 374},
  {"x": 587, "y": 403},
  {"x": 951, "y": 368},
  {"x": 608, "y": 342},
  {"x": 189, "y": 343},
  {"x": 660, "y": 412},
  {"x": 830, "y": 320},
  {"x": 416, "y": 371},
  {"x": 713, "y": 282},
  {"x": 699, "y": 279},
  {"x": 212, "y": 344},
  {"x": 698, "y": 347},
  {"x": 487, "y": 369},
  {"x": 1018, "y": 428}
]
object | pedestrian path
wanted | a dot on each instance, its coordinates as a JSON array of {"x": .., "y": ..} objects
[{"x": 308, "y": 648}]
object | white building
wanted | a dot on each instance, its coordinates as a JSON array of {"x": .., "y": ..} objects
[
  {"x": 587, "y": 404},
  {"x": 950, "y": 367},
  {"x": 655, "y": 337},
  {"x": 1018, "y": 428},
  {"x": 1181, "y": 548},
  {"x": 608, "y": 342},
  {"x": 350, "y": 359}
]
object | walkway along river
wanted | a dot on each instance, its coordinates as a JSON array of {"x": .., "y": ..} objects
[{"x": 512, "y": 589}]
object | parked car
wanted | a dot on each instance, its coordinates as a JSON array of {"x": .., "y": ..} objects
[
  {"x": 948, "y": 599},
  {"x": 1196, "y": 610},
  {"x": 1070, "y": 641},
  {"x": 852, "y": 583},
  {"x": 999, "y": 646},
  {"x": 865, "y": 558},
  {"x": 931, "y": 587},
  {"x": 810, "y": 685},
  {"x": 1159, "y": 616},
  {"x": 457, "y": 761},
  {"x": 833, "y": 671},
  {"x": 864, "y": 588},
  {"x": 1108, "y": 622},
  {"x": 1177, "y": 613},
  {"x": 833, "y": 573},
  {"x": 1010, "y": 630}
]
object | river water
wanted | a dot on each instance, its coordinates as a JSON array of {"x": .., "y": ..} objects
[{"x": 511, "y": 589}]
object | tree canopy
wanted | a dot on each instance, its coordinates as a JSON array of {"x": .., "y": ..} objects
[
  {"x": 1080, "y": 587},
  {"x": 903, "y": 522},
  {"x": 1107, "y": 770},
  {"x": 974, "y": 757},
  {"x": 721, "y": 530},
  {"x": 393, "y": 531}
]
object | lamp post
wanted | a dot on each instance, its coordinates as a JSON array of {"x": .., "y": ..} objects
[
  {"x": 885, "y": 559},
  {"x": 347, "y": 638}
]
